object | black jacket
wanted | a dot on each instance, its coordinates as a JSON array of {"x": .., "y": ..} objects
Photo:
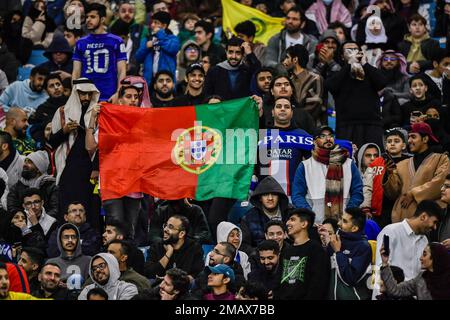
[
  {"x": 188, "y": 100},
  {"x": 188, "y": 258},
  {"x": 415, "y": 105},
  {"x": 216, "y": 53},
  {"x": 253, "y": 223},
  {"x": 8, "y": 63},
  {"x": 357, "y": 101},
  {"x": 270, "y": 280},
  {"x": 49, "y": 192},
  {"x": 59, "y": 294},
  {"x": 217, "y": 80},
  {"x": 390, "y": 111},
  {"x": 428, "y": 48},
  {"x": 198, "y": 225}
]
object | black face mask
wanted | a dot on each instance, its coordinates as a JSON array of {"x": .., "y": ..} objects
[{"x": 29, "y": 174}]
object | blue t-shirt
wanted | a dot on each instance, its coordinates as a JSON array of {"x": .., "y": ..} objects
[{"x": 99, "y": 55}]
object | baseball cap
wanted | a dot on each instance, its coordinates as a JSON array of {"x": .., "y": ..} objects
[
  {"x": 321, "y": 129},
  {"x": 397, "y": 132},
  {"x": 423, "y": 128},
  {"x": 223, "y": 269},
  {"x": 195, "y": 66}
]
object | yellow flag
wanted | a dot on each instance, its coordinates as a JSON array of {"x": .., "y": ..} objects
[{"x": 234, "y": 12}]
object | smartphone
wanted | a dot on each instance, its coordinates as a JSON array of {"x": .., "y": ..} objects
[{"x": 386, "y": 245}]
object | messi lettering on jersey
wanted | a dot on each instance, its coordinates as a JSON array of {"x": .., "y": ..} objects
[{"x": 99, "y": 54}]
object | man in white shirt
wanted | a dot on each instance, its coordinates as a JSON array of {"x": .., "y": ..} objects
[{"x": 407, "y": 239}]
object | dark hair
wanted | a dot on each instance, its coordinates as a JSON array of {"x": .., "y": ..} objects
[
  {"x": 76, "y": 32},
  {"x": 3, "y": 266},
  {"x": 246, "y": 27},
  {"x": 161, "y": 72},
  {"x": 121, "y": 228},
  {"x": 272, "y": 85},
  {"x": 298, "y": 10},
  {"x": 52, "y": 76},
  {"x": 214, "y": 96},
  {"x": 333, "y": 223},
  {"x": 43, "y": 71},
  {"x": 230, "y": 250},
  {"x": 100, "y": 8},
  {"x": 341, "y": 48},
  {"x": 274, "y": 222},
  {"x": 125, "y": 88},
  {"x": 98, "y": 292},
  {"x": 272, "y": 245},
  {"x": 337, "y": 24},
  {"x": 358, "y": 217},
  {"x": 431, "y": 208},
  {"x": 74, "y": 203},
  {"x": 54, "y": 264},
  {"x": 439, "y": 54},
  {"x": 36, "y": 255},
  {"x": 398, "y": 273},
  {"x": 125, "y": 246},
  {"x": 180, "y": 280},
  {"x": 447, "y": 177},
  {"x": 264, "y": 69},
  {"x": 299, "y": 51},
  {"x": 417, "y": 18},
  {"x": 418, "y": 77},
  {"x": 304, "y": 215},
  {"x": 31, "y": 192},
  {"x": 5, "y": 137},
  {"x": 279, "y": 98},
  {"x": 234, "y": 42},
  {"x": 205, "y": 25},
  {"x": 184, "y": 222},
  {"x": 253, "y": 289}
]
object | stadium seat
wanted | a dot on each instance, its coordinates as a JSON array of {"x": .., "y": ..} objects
[
  {"x": 37, "y": 57},
  {"x": 207, "y": 249},
  {"x": 23, "y": 73},
  {"x": 239, "y": 209}
]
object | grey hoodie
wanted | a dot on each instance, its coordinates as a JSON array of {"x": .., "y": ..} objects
[
  {"x": 361, "y": 154},
  {"x": 182, "y": 63},
  {"x": 78, "y": 263},
  {"x": 223, "y": 230},
  {"x": 115, "y": 288}
]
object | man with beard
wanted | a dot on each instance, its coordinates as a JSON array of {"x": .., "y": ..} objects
[
  {"x": 59, "y": 55},
  {"x": 104, "y": 271},
  {"x": 204, "y": 35},
  {"x": 163, "y": 87},
  {"x": 308, "y": 85},
  {"x": 100, "y": 56},
  {"x": 49, "y": 278},
  {"x": 261, "y": 82},
  {"x": 195, "y": 79},
  {"x": 329, "y": 181},
  {"x": 175, "y": 250},
  {"x": 34, "y": 175},
  {"x": 418, "y": 178},
  {"x": 292, "y": 34},
  {"x": 231, "y": 79},
  {"x": 16, "y": 126},
  {"x": 72, "y": 160},
  {"x": 10, "y": 160},
  {"x": 71, "y": 260},
  {"x": 27, "y": 94},
  {"x": 55, "y": 90},
  {"x": 267, "y": 271}
]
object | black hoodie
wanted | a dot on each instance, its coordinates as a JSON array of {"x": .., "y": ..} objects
[{"x": 253, "y": 223}]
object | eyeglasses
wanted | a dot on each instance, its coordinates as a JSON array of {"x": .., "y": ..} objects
[
  {"x": 220, "y": 254},
  {"x": 390, "y": 58},
  {"x": 30, "y": 203},
  {"x": 191, "y": 49},
  {"x": 445, "y": 186},
  {"x": 170, "y": 226},
  {"x": 69, "y": 236},
  {"x": 99, "y": 267}
]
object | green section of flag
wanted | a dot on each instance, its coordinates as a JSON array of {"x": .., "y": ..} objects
[{"x": 230, "y": 176}]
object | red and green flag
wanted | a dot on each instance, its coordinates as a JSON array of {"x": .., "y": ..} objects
[{"x": 198, "y": 152}]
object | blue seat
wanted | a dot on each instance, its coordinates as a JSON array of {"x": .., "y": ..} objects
[
  {"x": 207, "y": 248},
  {"x": 37, "y": 57},
  {"x": 23, "y": 73},
  {"x": 239, "y": 209},
  {"x": 145, "y": 251}
]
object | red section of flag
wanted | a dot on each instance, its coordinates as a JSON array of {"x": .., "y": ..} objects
[{"x": 135, "y": 146}]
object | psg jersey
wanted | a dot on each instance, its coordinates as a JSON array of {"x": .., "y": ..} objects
[{"x": 99, "y": 54}]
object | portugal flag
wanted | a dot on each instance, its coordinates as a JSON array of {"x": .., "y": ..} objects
[
  {"x": 196, "y": 152},
  {"x": 234, "y": 12}
]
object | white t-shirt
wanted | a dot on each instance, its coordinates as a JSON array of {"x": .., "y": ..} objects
[{"x": 292, "y": 41}]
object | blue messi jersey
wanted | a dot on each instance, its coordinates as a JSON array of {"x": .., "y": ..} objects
[{"x": 99, "y": 54}]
